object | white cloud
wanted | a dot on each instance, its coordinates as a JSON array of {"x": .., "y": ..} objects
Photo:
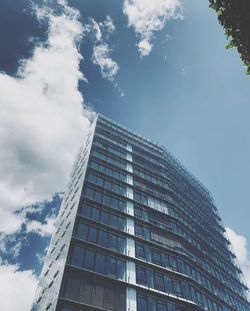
[
  {"x": 43, "y": 229},
  {"x": 239, "y": 246},
  {"x": 17, "y": 288},
  {"x": 42, "y": 120},
  {"x": 101, "y": 51},
  {"x": 147, "y": 17},
  {"x": 108, "y": 67}
]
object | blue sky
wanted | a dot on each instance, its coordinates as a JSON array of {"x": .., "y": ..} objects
[{"x": 172, "y": 81}]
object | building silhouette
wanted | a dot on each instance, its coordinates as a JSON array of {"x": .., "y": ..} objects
[{"x": 136, "y": 231}]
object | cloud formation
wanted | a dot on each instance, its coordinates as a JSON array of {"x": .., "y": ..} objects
[
  {"x": 147, "y": 17},
  {"x": 101, "y": 50},
  {"x": 239, "y": 246},
  {"x": 17, "y": 288},
  {"x": 42, "y": 120},
  {"x": 43, "y": 229}
]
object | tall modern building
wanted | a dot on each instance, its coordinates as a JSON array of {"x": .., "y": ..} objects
[{"x": 137, "y": 232}]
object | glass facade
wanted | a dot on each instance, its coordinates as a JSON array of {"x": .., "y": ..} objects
[{"x": 136, "y": 231}]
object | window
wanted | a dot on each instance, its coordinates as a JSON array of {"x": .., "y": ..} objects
[
  {"x": 140, "y": 275},
  {"x": 139, "y": 250},
  {"x": 111, "y": 266},
  {"x": 92, "y": 237},
  {"x": 82, "y": 231},
  {"x": 156, "y": 257},
  {"x": 100, "y": 263},
  {"x": 109, "y": 298},
  {"x": 105, "y": 217},
  {"x": 142, "y": 302},
  {"x": 112, "y": 242},
  {"x": 103, "y": 238},
  {"x": 89, "y": 261},
  {"x": 120, "y": 269},
  {"x": 77, "y": 257},
  {"x": 95, "y": 214},
  {"x": 98, "y": 293},
  {"x": 158, "y": 281}
]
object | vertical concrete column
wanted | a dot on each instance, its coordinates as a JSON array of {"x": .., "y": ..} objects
[
  {"x": 131, "y": 299},
  {"x": 131, "y": 273}
]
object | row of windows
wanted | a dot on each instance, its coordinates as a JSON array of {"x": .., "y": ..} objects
[
  {"x": 105, "y": 199},
  {"x": 107, "y": 184},
  {"x": 169, "y": 242},
  {"x": 116, "y": 162},
  {"x": 151, "y": 216},
  {"x": 150, "y": 201},
  {"x": 169, "y": 261},
  {"x": 144, "y": 215},
  {"x": 168, "y": 284},
  {"x": 107, "y": 171},
  {"x": 95, "y": 261},
  {"x": 103, "y": 131},
  {"x": 101, "y": 237},
  {"x": 150, "y": 177},
  {"x": 154, "y": 167},
  {"x": 103, "y": 216},
  {"x": 102, "y": 143},
  {"x": 110, "y": 130},
  {"x": 165, "y": 283},
  {"x": 94, "y": 291},
  {"x": 150, "y": 303},
  {"x": 162, "y": 239}
]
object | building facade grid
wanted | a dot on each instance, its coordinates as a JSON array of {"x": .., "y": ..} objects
[{"x": 136, "y": 231}]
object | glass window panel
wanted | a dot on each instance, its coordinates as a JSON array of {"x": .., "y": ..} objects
[
  {"x": 161, "y": 306},
  {"x": 138, "y": 230},
  {"x": 158, "y": 281},
  {"x": 140, "y": 275},
  {"x": 139, "y": 250},
  {"x": 122, "y": 205},
  {"x": 98, "y": 196},
  {"x": 138, "y": 212},
  {"x": 114, "y": 220},
  {"x": 100, "y": 181},
  {"x": 101, "y": 263},
  {"x": 82, "y": 231},
  {"x": 177, "y": 287},
  {"x": 120, "y": 269},
  {"x": 142, "y": 302},
  {"x": 95, "y": 214},
  {"x": 121, "y": 299},
  {"x": 106, "y": 200},
  {"x": 89, "y": 193},
  {"x": 114, "y": 203},
  {"x": 86, "y": 290},
  {"x": 98, "y": 294},
  {"x": 92, "y": 236},
  {"x": 77, "y": 256},
  {"x": 103, "y": 238},
  {"x": 86, "y": 210},
  {"x": 151, "y": 304},
  {"x": 72, "y": 288},
  {"x": 168, "y": 283},
  {"x": 92, "y": 178},
  {"x": 109, "y": 298},
  {"x": 121, "y": 245},
  {"x": 112, "y": 242},
  {"x": 108, "y": 185},
  {"x": 111, "y": 266},
  {"x": 156, "y": 257},
  {"x": 121, "y": 223},
  {"x": 105, "y": 217},
  {"x": 89, "y": 260}
]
